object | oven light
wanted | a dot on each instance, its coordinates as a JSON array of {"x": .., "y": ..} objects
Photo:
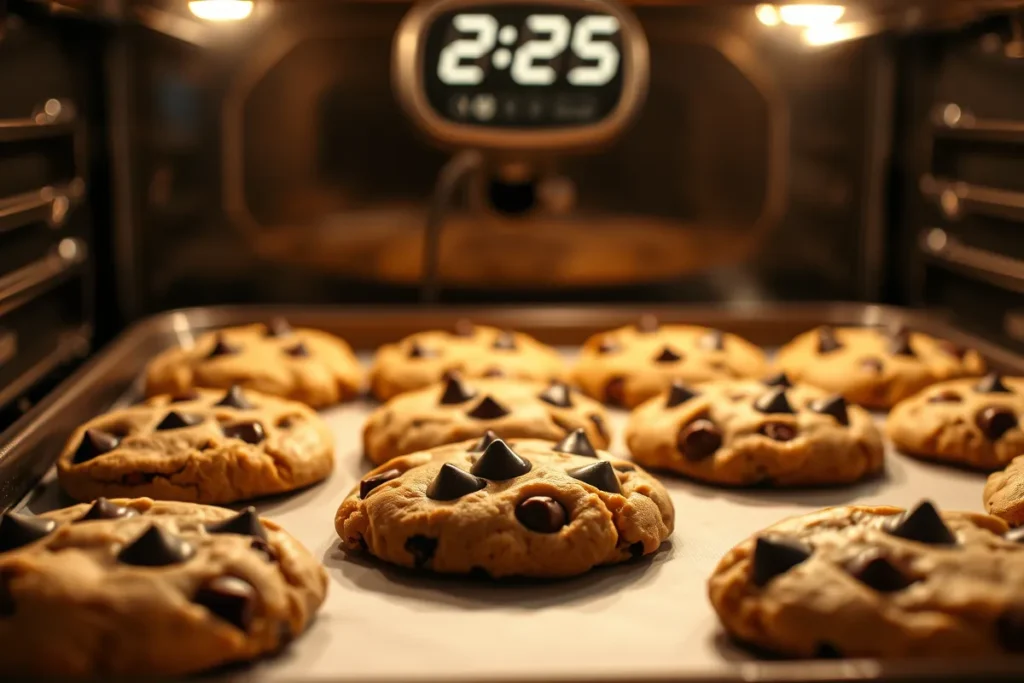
[
  {"x": 830, "y": 34},
  {"x": 221, "y": 10},
  {"x": 767, "y": 15},
  {"x": 811, "y": 15}
]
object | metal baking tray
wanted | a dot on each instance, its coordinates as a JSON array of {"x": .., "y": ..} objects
[{"x": 648, "y": 620}]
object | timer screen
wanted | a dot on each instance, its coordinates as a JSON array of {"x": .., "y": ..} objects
[{"x": 522, "y": 66}]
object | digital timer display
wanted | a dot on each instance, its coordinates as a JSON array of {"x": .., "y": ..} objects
[{"x": 523, "y": 66}]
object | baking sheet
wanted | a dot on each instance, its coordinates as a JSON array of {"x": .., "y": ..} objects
[{"x": 649, "y": 618}]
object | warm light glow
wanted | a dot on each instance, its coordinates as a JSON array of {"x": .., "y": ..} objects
[
  {"x": 221, "y": 10},
  {"x": 767, "y": 15},
  {"x": 829, "y": 34},
  {"x": 811, "y": 15}
]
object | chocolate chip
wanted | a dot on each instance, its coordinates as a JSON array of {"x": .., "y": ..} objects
[
  {"x": 699, "y": 439},
  {"x": 104, "y": 509},
  {"x": 299, "y": 350},
  {"x": 636, "y": 549},
  {"x": 946, "y": 396},
  {"x": 417, "y": 351},
  {"x": 245, "y": 523},
  {"x": 995, "y": 422},
  {"x": 679, "y": 394},
  {"x": 922, "y": 524},
  {"x": 249, "y": 432},
  {"x": 779, "y": 379},
  {"x": 191, "y": 395},
  {"x": 774, "y": 402},
  {"x": 451, "y": 483},
  {"x": 541, "y": 514},
  {"x": 667, "y": 355},
  {"x": 952, "y": 349},
  {"x": 871, "y": 365},
  {"x": 505, "y": 341},
  {"x": 95, "y": 442},
  {"x": 778, "y": 431},
  {"x": 992, "y": 383},
  {"x": 827, "y": 342},
  {"x": 222, "y": 348},
  {"x": 464, "y": 328},
  {"x": 712, "y": 340},
  {"x": 647, "y": 324},
  {"x": 499, "y": 463},
  {"x": 875, "y": 570},
  {"x": 422, "y": 549},
  {"x": 285, "y": 422},
  {"x": 775, "y": 556},
  {"x": 558, "y": 395},
  {"x": 156, "y": 548},
  {"x": 834, "y": 406},
  {"x": 826, "y": 650},
  {"x": 494, "y": 372},
  {"x": 576, "y": 443},
  {"x": 455, "y": 391},
  {"x": 235, "y": 399},
  {"x": 486, "y": 440},
  {"x": 899, "y": 344},
  {"x": 230, "y": 599},
  {"x": 176, "y": 420},
  {"x": 1010, "y": 629},
  {"x": 615, "y": 391},
  {"x": 599, "y": 425},
  {"x": 607, "y": 345},
  {"x": 600, "y": 475},
  {"x": 488, "y": 409},
  {"x": 265, "y": 549},
  {"x": 18, "y": 530},
  {"x": 370, "y": 483}
]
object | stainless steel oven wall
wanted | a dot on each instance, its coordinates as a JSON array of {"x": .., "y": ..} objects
[{"x": 270, "y": 162}]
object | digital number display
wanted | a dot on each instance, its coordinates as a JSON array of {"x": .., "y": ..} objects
[{"x": 523, "y": 66}]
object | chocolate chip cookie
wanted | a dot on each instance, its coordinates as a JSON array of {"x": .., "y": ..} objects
[
  {"x": 305, "y": 365},
  {"x": 873, "y": 367},
  {"x": 627, "y": 366},
  {"x": 133, "y": 587},
  {"x": 876, "y": 582},
  {"x": 203, "y": 446},
  {"x": 1004, "y": 493},
  {"x": 519, "y": 508},
  {"x": 457, "y": 409},
  {"x": 473, "y": 351},
  {"x": 743, "y": 432},
  {"x": 967, "y": 422}
]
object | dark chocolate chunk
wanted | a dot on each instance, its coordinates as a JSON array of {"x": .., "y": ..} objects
[
  {"x": 827, "y": 342},
  {"x": 699, "y": 439},
  {"x": 667, "y": 355},
  {"x": 576, "y": 443},
  {"x": 994, "y": 422},
  {"x": 370, "y": 483},
  {"x": 607, "y": 345},
  {"x": 600, "y": 475},
  {"x": 558, "y": 395},
  {"x": 679, "y": 394},
  {"x": 599, "y": 425},
  {"x": 455, "y": 391},
  {"x": 875, "y": 570},
  {"x": 176, "y": 420},
  {"x": 826, "y": 650},
  {"x": 713, "y": 340},
  {"x": 778, "y": 431},
  {"x": 615, "y": 391},
  {"x": 946, "y": 396},
  {"x": 298, "y": 350},
  {"x": 774, "y": 402},
  {"x": 899, "y": 344},
  {"x": 278, "y": 327},
  {"x": 222, "y": 348},
  {"x": 775, "y": 556},
  {"x": 104, "y": 509},
  {"x": 1015, "y": 535},
  {"x": 779, "y": 379},
  {"x": 922, "y": 524},
  {"x": 505, "y": 341},
  {"x": 636, "y": 549},
  {"x": 191, "y": 395},
  {"x": 18, "y": 530},
  {"x": 265, "y": 549},
  {"x": 486, "y": 440},
  {"x": 647, "y": 324},
  {"x": 871, "y": 365},
  {"x": 245, "y": 523},
  {"x": 156, "y": 548},
  {"x": 834, "y": 406},
  {"x": 451, "y": 483},
  {"x": 488, "y": 409},
  {"x": 499, "y": 462},
  {"x": 235, "y": 399},
  {"x": 541, "y": 514},
  {"x": 1010, "y": 629},
  {"x": 249, "y": 432},
  {"x": 417, "y": 351},
  {"x": 95, "y": 442},
  {"x": 230, "y": 599},
  {"x": 422, "y": 549},
  {"x": 992, "y": 383},
  {"x": 464, "y": 328}
]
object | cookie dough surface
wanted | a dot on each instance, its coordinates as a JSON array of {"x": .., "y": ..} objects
[
  {"x": 205, "y": 446},
  {"x": 629, "y": 365},
  {"x": 744, "y": 432},
  {"x": 871, "y": 582},
  {"x": 968, "y": 422},
  {"x": 456, "y": 410},
  {"x": 872, "y": 367},
  {"x": 310, "y": 366},
  {"x": 143, "y": 588},
  {"x": 538, "y": 512}
]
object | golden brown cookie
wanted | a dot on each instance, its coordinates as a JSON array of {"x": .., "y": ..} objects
[
  {"x": 525, "y": 508},
  {"x": 474, "y": 351},
  {"x": 205, "y": 446},
  {"x": 627, "y": 366},
  {"x": 876, "y": 582},
  {"x": 1004, "y": 493},
  {"x": 743, "y": 432},
  {"x": 873, "y": 367},
  {"x": 304, "y": 365},
  {"x": 457, "y": 409},
  {"x": 133, "y": 587}
]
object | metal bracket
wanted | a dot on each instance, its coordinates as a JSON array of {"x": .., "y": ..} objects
[
  {"x": 53, "y": 118},
  {"x": 50, "y": 205}
]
